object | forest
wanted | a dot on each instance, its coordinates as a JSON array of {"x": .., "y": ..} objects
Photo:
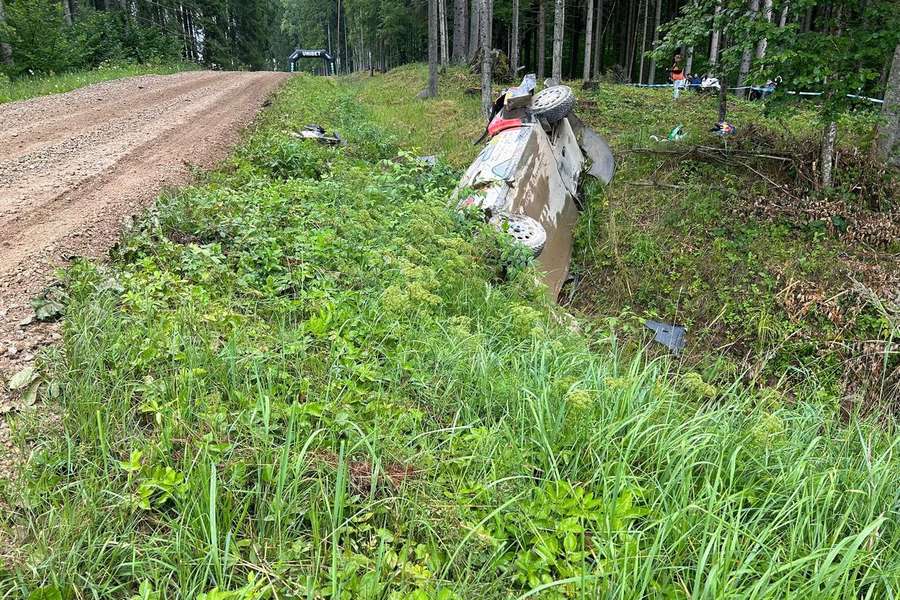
[
  {"x": 256, "y": 342},
  {"x": 844, "y": 46}
]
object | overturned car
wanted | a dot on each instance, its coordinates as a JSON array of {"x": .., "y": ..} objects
[{"x": 526, "y": 179}]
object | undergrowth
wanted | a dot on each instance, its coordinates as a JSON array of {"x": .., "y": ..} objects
[
  {"x": 307, "y": 377},
  {"x": 26, "y": 87}
]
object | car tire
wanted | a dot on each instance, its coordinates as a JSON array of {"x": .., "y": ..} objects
[
  {"x": 524, "y": 230},
  {"x": 553, "y": 103}
]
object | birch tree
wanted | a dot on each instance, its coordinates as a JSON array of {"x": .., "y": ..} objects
[
  {"x": 559, "y": 29},
  {"x": 785, "y": 9},
  {"x": 764, "y": 41}
]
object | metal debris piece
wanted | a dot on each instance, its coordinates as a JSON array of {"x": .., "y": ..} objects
[
  {"x": 595, "y": 147},
  {"x": 520, "y": 96},
  {"x": 670, "y": 336},
  {"x": 318, "y": 133},
  {"x": 429, "y": 160},
  {"x": 723, "y": 129}
]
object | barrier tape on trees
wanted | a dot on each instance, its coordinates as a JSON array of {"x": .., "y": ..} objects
[{"x": 754, "y": 88}]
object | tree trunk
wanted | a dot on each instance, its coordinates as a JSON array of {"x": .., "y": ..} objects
[
  {"x": 764, "y": 41},
  {"x": 723, "y": 96},
  {"x": 559, "y": 29},
  {"x": 723, "y": 84},
  {"x": 889, "y": 129},
  {"x": 67, "y": 12},
  {"x": 541, "y": 41},
  {"x": 646, "y": 6},
  {"x": 459, "y": 30},
  {"x": 689, "y": 61},
  {"x": 828, "y": 138},
  {"x": 514, "y": 51},
  {"x": 588, "y": 38},
  {"x": 445, "y": 48},
  {"x": 489, "y": 25},
  {"x": 486, "y": 59},
  {"x": 598, "y": 39},
  {"x": 652, "y": 75},
  {"x": 782, "y": 21},
  {"x": 716, "y": 35},
  {"x": 573, "y": 59},
  {"x": 631, "y": 34},
  {"x": 475, "y": 28},
  {"x": 5, "y": 49},
  {"x": 431, "y": 92},
  {"x": 747, "y": 54}
]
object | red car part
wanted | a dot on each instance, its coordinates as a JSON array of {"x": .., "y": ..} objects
[{"x": 500, "y": 124}]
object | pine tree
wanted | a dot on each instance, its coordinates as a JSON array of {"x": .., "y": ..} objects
[
  {"x": 459, "y": 30},
  {"x": 541, "y": 40},
  {"x": 559, "y": 29},
  {"x": 514, "y": 42},
  {"x": 588, "y": 36},
  {"x": 486, "y": 58}
]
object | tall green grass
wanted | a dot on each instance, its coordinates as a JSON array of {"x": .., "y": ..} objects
[
  {"x": 307, "y": 377},
  {"x": 23, "y": 88}
]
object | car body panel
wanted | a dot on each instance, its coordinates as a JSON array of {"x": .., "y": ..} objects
[
  {"x": 531, "y": 169},
  {"x": 521, "y": 172}
]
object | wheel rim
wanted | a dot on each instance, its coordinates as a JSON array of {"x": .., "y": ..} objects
[
  {"x": 549, "y": 97},
  {"x": 525, "y": 230}
]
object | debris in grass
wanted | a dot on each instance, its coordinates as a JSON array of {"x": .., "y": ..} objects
[
  {"x": 318, "y": 133},
  {"x": 723, "y": 128},
  {"x": 676, "y": 135},
  {"x": 670, "y": 336}
]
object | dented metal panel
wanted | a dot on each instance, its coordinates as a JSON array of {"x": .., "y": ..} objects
[{"x": 528, "y": 176}]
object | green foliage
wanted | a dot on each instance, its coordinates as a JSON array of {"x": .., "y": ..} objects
[
  {"x": 325, "y": 378},
  {"x": 843, "y": 54},
  {"x": 42, "y": 42}
]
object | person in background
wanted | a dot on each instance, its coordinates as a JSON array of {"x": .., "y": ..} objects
[
  {"x": 694, "y": 82},
  {"x": 676, "y": 74}
]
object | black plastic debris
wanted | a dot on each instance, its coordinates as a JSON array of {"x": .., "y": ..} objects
[
  {"x": 318, "y": 133},
  {"x": 670, "y": 336}
]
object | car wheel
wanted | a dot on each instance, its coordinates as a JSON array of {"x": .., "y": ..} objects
[
  {"x": 553, "y": 103},
  {"x": 524, "y": 230}
]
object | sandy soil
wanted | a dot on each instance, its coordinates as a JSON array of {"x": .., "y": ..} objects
[{"x": 75, "y": 167}]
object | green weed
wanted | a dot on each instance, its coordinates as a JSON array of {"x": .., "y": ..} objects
[{"x": 325, "y": 383}]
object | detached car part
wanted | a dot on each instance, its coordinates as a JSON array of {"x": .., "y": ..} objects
[
  {"x": 318, "y": 133},
  {"x": 526, "y": 179}
]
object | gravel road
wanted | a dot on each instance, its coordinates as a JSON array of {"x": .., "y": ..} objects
[{"x": 74, "y": 167}]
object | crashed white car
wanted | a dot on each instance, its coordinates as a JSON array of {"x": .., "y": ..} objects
[{"x": 526, "y": 179}]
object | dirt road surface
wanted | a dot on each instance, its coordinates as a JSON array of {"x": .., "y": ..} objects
[{"x": 74, "y": 167}]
